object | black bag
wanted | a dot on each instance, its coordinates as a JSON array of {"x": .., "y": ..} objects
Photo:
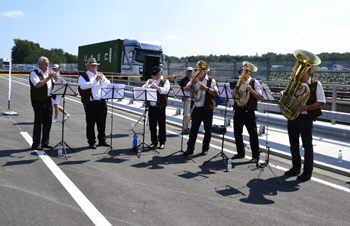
[{"x": 220, "y": 129}]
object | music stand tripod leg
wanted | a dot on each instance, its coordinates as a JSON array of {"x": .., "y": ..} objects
[{"x": 181, "y": 150}]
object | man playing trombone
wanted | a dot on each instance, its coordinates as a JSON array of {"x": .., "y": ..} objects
[{"x": 156, "y": 113}]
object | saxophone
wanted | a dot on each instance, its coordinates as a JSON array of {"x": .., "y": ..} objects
[
  {"x": 243, "y": 96},
  {"x": 201, "y": 66},
  {"x": 297, "y": 93}
]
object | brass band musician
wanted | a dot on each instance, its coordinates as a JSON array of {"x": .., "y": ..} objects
[
  {"x": 204, "y": 90},
  {"x": 302, "y": 126},
  {"x": 245, "y": 113},
  {"x": 156, "y": 113}
]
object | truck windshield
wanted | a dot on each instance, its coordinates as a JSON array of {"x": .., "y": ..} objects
[{"x": 140, "y": 55}]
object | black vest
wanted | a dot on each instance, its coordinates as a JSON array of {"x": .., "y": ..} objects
[
  {"x": 209, "y": 102},
  {"x": 313, "y": 114},
  {"x": 41, "y": 93},
  {"x": 85, "y": 94}
]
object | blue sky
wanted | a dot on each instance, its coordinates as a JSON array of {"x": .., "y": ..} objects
[{"x": 183, "y": 27}]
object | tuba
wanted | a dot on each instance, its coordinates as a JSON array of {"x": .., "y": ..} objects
[
  {"x": 243, "y": 96},
  {"x": 201, "y": 66},
  {"x": 297, "y": 93}
]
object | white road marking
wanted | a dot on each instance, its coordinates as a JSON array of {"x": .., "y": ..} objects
[{"x": 95, "y": 216}]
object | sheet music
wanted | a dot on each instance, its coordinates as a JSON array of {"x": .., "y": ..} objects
[
  {"x": 225, "y": 90},
  {"x": 112, "y": 91},
  {"x": 65, "y": 88},
  {"x": 145, "y": 94}
]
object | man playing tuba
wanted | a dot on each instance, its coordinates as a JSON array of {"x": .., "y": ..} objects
[
  {"x": 245, "y": 113},
  {"x": 302, "y": 125},
  {"x": 203, "y": 89}
]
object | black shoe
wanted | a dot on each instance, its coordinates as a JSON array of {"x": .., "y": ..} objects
[
  {"x": 153, "y": 145},
  {"x": 204, "y": 152},
  {"x": 162, "y": 146},
  {"x": 38, "y": 148},
  {"x": 304, "y": 177},
  {"x": 292, "y": 172},
  {"x": 46, "y": 146},
  {"x": 188, "y": 152},
  {"x": 237, "y": 156},
  {"x": 92, "y": 146},
  {"x": 105, "y": 144}
]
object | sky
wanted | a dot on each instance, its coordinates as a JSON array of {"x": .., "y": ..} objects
[{"x": 183, "y": 27}]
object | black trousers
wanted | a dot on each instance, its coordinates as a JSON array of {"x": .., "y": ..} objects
[
  {"x": 244, "y": 117},
  {"x": 200, "y": 115},
  {"x": 156, "y": 117},
  {"x": 96, "y": 113},
  {"x": 301, "y": 126},
  {"x": 42, "y": 122}
]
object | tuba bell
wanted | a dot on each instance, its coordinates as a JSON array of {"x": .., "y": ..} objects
[
  {"x": 243, "y": 96},
  {"x": 297, "y": 93},
  {"x": 201, "y": 66}
]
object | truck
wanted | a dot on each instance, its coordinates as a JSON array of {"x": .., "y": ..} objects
[
  {"x": 5, "y": 63},
  {"x": 125, "y": 57}
]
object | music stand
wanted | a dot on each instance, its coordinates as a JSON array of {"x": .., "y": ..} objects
[
  {"x": 145, "y": 94},
  {"x": 178, "y": 92},
  {"x": 225, "y": 93},
  {"x": 110, "y": 92},
  {"x": 64, "y": 88},
  {"x": 267, "y": 95}
]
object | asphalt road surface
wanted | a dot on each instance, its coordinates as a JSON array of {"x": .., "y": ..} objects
[{"x": 92, "y": 187}]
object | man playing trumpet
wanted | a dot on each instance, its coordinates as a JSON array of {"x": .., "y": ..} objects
[
  {"x": 157, "y": 109},
  {"x": 90, "y": 84},
  {"x": 204, "y": 90}
]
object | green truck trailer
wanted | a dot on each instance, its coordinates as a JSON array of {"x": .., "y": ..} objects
[{"x": 120, "y": 56}]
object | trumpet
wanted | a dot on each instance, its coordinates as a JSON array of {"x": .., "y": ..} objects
[{"x": 150, "y": 85}]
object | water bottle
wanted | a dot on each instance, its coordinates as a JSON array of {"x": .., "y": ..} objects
[
  {"x": 139, "y": 147},
  {"x": 340, "y": 156},
  {"x": 132, "y": 125},
  {"x": 59, "y": 153},
  {"x": 229, "y": 164},
  {"x": 134, "y": 141}
]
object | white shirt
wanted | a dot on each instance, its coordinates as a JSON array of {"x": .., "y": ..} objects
[
  {"x": 320, "y": 97},
  {"x": 162, "y": 90},
  {"x": 34, "y": 78},
  {"x": 94, "y": 85},
  {"x": 197, "y": 85}
]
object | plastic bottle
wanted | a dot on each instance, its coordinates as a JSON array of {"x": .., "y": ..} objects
[
  {"x": 134, "y": 141},
  {"x": 229, "y": 164},
  {"x": 340, "y": 156},
  {"x": 59, "y": 153},
  {"x": 132, "y": 125},
  {"x": 139, "y": 147}
]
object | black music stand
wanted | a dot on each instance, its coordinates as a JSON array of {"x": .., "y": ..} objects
[
  {"x": 145, "y": 94},
  {"x": 64, "y": 88},
  {"x": 111, "y": 92},
  {"x": 178, "y": 92},
  {"x": 225, "y": 93},
  {"x": 267, "y": 95}
]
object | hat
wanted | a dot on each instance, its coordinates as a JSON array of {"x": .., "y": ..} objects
[
  {"x": 92, "y": 61},
  {"x": 56, "y": 66},
  {"x": 189, "y": 69},
  {"x": 155, "y": 70}
]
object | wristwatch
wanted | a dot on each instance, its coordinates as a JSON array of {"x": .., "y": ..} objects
[{"x": 208, "y": 89}]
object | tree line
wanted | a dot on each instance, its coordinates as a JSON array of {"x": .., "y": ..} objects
[{"x": 28, "y": 52}]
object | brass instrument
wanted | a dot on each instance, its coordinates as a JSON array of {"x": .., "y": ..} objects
[
  {"x": 201, "y": 66},
  {"x": 297, "y": 92},
  {"x": 150, "y": 85},
  {"x": 243, "y": 96}
]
